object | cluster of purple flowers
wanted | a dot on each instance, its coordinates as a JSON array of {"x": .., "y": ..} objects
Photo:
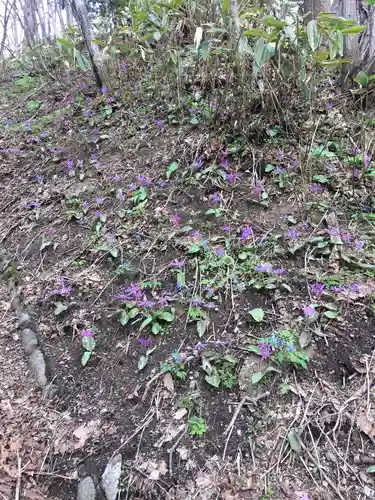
[
  {"x": 292, "y": 234},
  {"x": 247, "y": 233},
  {"x": 64, "y": 288},
  {"x": 268, "y": 268},
  {"x": 135, "y": 293},
  {"x": 145, "y": 342},
  {"x": 87, "y": 333}
]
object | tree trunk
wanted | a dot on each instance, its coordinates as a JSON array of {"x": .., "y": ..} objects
[
  {"x": 314, "y": 7},
  {"x": 29, "y": 24}
]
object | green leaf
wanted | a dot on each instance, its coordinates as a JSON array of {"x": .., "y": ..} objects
[
  {"x": 172, "y": 168},
  {"x": 294, "y": 441},
  {"x": 257, "y": 32},
  {"x": 113, "y": 252},
  {"x": 156, "y": 328},
  {"x": 228, "y": 260},
  {"x": 166, "y": 316},
  {"x": 142, "y": 362},
  {"x": 254, "y": 348},
  {"x": 331, "y": 314},
  {"x": 88, "y": 343},
  {"x": 124, "y": 318},
  {"x": 257, "y": 314},
  {"x": 353, "y": 30},
  {"x": 194, "y": 248},
  {"x": 204, "y": 50},
  {"x": 257, "y": 377},
  {"x": 213, "y": 379},
  {"x": 202, "y": 326},
  {"x": 226, "y": 6},
  {"x": 321, "y": 179},
  {"x": 272, "y": 21},
  {"x": 312, "y": 34},
  {"x": 85, "y": 358},
  {"x": 372, "y": 467},
  {"x": 59, "y": 308},
  {"x": 362, "y": 78},
  {"x": 133, "y": 312},
  {"x": 65, "y": 43},
  {"x": 145, "y": 322}
]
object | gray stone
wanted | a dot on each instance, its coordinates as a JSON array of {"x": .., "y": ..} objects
[
  {"x": 111, "y": 477},
  {"x": 23, "y": 319},
  {"x": 29, "y": 340},
  {"x": 37, "y": 367},
  {"x": 86, "y": 489}
]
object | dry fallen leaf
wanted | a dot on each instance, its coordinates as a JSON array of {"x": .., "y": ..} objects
[
  {"x": 366, "y": 421},
  {"x": 184, "y": 452},
  {"x": 180, "y": 413},
  {"x": 168, "y": 382}
]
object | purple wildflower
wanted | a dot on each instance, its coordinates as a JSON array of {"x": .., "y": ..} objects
[
  {"x": 338, "y": 288},
  {"x": 226, "y": 229},
  {"x": 33, "y": 204},
  {"x": 220, "y": 343},
  {"x": 317, "y": 288},
  {"x": 258, "y": 189},
  {"x": 144, "y": 181},
  {"x": 329, "y": 105},
  {"x": 145, "y": 342},
  {"x": 224, "y": 164},
  {"x": 356, "y": 150},
  {"x": 175, "y": 220},
  {"x": 70, "y": 164},
  {"x": 267, "y": 268},
  {"x": 64, "y": 289},
  {"x": 51, "y": 230},
  {"x": 116, "y": 178},
  {"x": 209, "y": 305},
  {"x": 367, "y": 160},
  {"x": 134, "y": 291},
  {"x": 279, "y": 170},
  {"x": 196, "y": 302},
  {"x": 292, "y": 234},
  {"x": 216, "y": 198},
  {"x": 120, "y": 195},
  {"x": 98, "y": 213},
  {"x": 359, "y": 244},
  {"x": 132, "y": 187},
  {"x": 159, "y": 123},
  {"x": 265, "y": 350},
  {"x": 196, "y": 234},
  {"x": 200, "y": 347},
  {"x": 80, "y": 163},
  {"x": 199, "y": 164},
  {"x": 231, "y": 177},
  {"x": 355, "y": 173},
  {"x": 87, "y": 333},
  {"x": 316, "y": 188},
  {"x": 123, "y": 67},
  {"x": 347, "y": 237},
  {"x": 220, "y": 252},
  {"x": 177, "y": 264},
  {"x": 85, "y": 204},
  {"x": 147, "y": 304},
  {"x": 247, "y": 232},
  {"x": 279, "y": 271},
  {"x": 38, "y": 178},
  {"x": 308, "y": 310},
  {"x": 291, "y": 347},
  {"x": 104, "y": 90},
  {"x": 99, "y": 200},
  {"x": 333, "y": 231}
]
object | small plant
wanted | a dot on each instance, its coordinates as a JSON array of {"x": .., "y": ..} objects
[
  {"x": 200, "y": 316},
  {"x": 176, "y": 366},
  {"x": 190, "y": 400},
  {"x": 197, "y": 426},
  {"x": 88, "y": 343},
  {"x": 158, "y": 320},
  {"x": 220, "y": 369}
]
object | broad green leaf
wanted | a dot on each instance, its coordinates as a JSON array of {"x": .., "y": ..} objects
[
  {"x": 85, "y": 358},
  {"x": 362, "y": 78},
  {"x": 226, "y": 6},
  {"x": 172, "y": 168},
  {"x": 331, "y": 314},
  {"x": 353, "y": 30},
  {"x": 145, "y": 322},
  {"x": 257, "y": 377},
  {"x": 65, "y": 43},
  {"x": 275, "y": 23},
  {"x": 294, "y": 441},
  {"x": 372, "y": 467},
  {"x": 312, "y": 34},
  {"x": 124, "y": 318},
  {"x": 321, "y": 179},
  {"x": 213, "y": 379},
  {"x": 88, "y": 343},
  {"x": 142, "y": 362},
  {"x": 113, "y": 252},
  {"x": 257, "y": 314},
  {"x": 257, "y": 32},
  {"x": 254, "y": 348},
  {"x": 156, "y": 328},
  {"x": 194, "y": 248},
  {"x": 166, "y": 316},
  {"x": 204, "y": 49},
  {"x": 133, "y": 312}
]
